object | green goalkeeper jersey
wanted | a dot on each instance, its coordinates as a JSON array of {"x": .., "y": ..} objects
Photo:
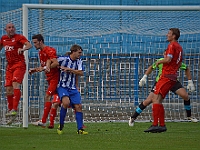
[{"x": 183, "y": 67}]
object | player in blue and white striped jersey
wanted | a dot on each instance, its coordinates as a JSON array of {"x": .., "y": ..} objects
[{"x": 70, "y": 66}]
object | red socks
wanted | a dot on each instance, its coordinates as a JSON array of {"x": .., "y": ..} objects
[
  {"x": 52, "y": 116},
  {"x": 47, "y": 108},
  {"x": 13, "y": 100},
  {"x": 162, "y": 115},
  {"x": 16, "y": 98},
  {"x": 158, "y": 114},
  {"x": 10, "y": 102},
  {"x": 155, "y": 110}
]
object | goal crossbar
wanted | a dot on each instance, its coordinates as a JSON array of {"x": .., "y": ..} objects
[{"x": 112, "y": 7}]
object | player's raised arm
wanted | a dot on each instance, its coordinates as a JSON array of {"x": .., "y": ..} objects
[
  {"x": 167, "y": 59},
  {"x": 144, "y": 78},
  {"x": 149, "y": 70},
  {"x": 27, "y": 46},
  {"x": 190, "y": 85}
]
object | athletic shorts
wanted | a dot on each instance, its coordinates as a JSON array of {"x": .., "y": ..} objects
[
  {"x": 176, "y": 87},
  {"x": 73, "y": 94},
  {"x": 163, "y": 86},
  {"x": 52, "y": 85},
  {"x": 15, "y": 73},
  {"x": 56, "y": 99}
]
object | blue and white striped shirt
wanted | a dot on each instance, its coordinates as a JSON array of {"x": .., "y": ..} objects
[{"x": 68, "y": 79}]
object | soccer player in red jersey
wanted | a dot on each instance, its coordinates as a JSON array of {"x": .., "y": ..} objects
[
  {"x": 15, "y": 45},
  {"x": 177, "y": 89},
  {"x": 46, "y": 54},
  {"x": 171, "y": 64}
]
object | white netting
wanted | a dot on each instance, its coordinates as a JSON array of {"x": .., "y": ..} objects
[
  {"x": 76, "y": 23},
  {"x": 118, "y": 48}
]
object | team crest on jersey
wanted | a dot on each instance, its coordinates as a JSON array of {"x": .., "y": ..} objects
[
  {"x": 9, "y": 48},
  {"x": 13, "y": 40}
]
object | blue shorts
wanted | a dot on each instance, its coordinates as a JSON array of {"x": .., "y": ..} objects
[{"x": 73, "y": 94}]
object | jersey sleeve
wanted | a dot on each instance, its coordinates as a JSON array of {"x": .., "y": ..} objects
[
  {"x": 183, "y": 66},
  {"x": 170, "y": 51},
  {"x": 60, "y": 60},
  {"x": 154, "y": 64},
  {"x": 22, "y": 39},
  {"x": 51, "y": 52}
]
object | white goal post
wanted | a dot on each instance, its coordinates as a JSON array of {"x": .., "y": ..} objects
[{"x": 25, "y": 20}]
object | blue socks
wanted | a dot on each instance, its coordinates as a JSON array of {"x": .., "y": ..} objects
[
  {"x": 63, "y": 112},
  {"x": 79, "y": 120}
]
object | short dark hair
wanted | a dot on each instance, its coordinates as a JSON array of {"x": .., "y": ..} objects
[
  {"x": 175, "y": 32},
  {"x": 39, "y": 37}
]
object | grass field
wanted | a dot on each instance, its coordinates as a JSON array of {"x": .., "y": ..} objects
[{"x": 102, "y": 136}]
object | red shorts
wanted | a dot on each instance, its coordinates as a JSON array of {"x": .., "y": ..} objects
[
  {"x": 56, "y": 99},
  {"x": 15, "y": 73},
  {"x": 163, "y": 86},
  {"x": 53, "y": 83}
]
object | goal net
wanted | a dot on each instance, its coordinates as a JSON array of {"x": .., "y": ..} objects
[{"x": 119, "y": 43}]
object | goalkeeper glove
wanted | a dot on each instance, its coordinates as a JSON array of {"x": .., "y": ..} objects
[
  {"x": 143, "y": 81},
  {"x": 190, "y": 86}
]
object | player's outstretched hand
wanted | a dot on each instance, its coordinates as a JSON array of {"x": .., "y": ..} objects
[
  {"x": 20, "y": 51},
  {"x": 47, "y": 69},
  {"x": 190, "y": 86},
  {"x": 143, "y": 81},
  {"x": 31, "y": 71}
]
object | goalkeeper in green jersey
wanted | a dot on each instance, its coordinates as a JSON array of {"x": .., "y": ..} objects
[{"x": 177, "y": 89}]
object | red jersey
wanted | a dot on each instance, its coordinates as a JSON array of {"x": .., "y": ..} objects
[
  {"x": 170, "y": 69},
  {"x": 11, "y": 48},
  {"x": 45, "y": 54}
]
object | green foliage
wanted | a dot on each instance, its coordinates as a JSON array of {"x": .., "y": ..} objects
[{"x": 102, "y": 136}]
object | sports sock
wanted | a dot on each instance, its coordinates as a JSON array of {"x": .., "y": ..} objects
[
  {"x": 79, "y": 120},
  {"x": 187, "y": 107},
  {"x": 162, "y": 115},
  {"x": 52, "y": 116},
  {"x": 47, "y": 108},
  {"x": 16, "y": 98},
  {"x": 74, "y": 110},
  {"x": 63, "y": 112},
  {"x": 155, "y": 109},
  {"x": 10, "y": 102},
  {"x": 138, "y": 111}
]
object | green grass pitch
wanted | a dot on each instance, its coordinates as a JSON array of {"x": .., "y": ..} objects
[{"x": 102, "y": 136}]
